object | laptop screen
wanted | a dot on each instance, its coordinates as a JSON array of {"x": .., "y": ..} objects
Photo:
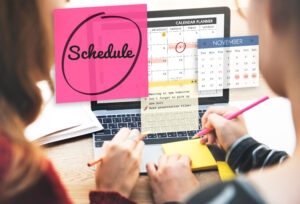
[{"x": 172, "y": 50}]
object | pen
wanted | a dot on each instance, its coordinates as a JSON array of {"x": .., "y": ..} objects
[
  {"x": 101, "y": 158},
  {"x": 206, "y": 130}
]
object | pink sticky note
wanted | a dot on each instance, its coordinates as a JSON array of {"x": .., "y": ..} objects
[{"x": 101, "y": 53}]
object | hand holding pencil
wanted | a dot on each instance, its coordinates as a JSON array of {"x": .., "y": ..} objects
[
  {"x": 224, "y": 125},
  {"x": 226, "y": 132}
]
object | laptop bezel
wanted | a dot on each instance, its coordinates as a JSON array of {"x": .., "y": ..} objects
[{"x": 171, "y": 13}]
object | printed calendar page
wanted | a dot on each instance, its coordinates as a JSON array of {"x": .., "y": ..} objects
[
  {"x": 225, "y": 63},
  {"x": 172, "y": 47}
]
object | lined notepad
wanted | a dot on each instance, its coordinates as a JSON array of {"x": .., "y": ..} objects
[{"x": 200, "y": 155}]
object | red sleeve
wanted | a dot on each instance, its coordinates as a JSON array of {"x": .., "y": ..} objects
[
  {"x": 48, "y": 188},
  {"x": 108, "y": 197}
]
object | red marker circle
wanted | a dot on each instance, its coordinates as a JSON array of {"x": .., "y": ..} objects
[{"x": 180, "y": 47}]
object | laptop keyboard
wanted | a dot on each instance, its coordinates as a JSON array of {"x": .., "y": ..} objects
[{"x": 113, "y": 123}]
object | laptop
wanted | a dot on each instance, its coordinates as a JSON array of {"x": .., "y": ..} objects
[{"x": 168, "y": 29}]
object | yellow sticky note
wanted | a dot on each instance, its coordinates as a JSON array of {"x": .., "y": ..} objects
[
  {"x": 225, "y": 171},
  {"x": 200, "y": 155}
]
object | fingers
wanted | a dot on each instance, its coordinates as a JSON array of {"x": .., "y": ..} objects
[
  {"x": 214, "y": 109},
  {"x": 121, "y": 136},
  {"x": 134, "y": 134},
  {"x": 162, "y": 160},
  {"x": 125, "y": 134},
  {"x": 216, "y": 121},
  {"x": 174, "y": 158},
  {"x": 219, "y": 144},
  {"x": 124, "y": 139},
  {"x": 220, "y": 110},
  {"x": 211, "y": 138},
  {"x": 151, "y": 169},
  {"x": 204, "y": 140},
  {"x": 138, "y": 151},
  {"x": 129, "y": 144},
  {"x": 186, "y": 160},
  {"x": 104, "y": 146},
  {"x": 132, "y": 143}
]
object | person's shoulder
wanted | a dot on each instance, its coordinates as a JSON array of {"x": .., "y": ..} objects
[{"x": 237, "y": 191}]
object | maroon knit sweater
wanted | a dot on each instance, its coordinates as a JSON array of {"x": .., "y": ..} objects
[{"x": 49, "y": 188}]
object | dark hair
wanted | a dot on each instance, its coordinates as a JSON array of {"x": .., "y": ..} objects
[
  {"x": 285, "y": 13},
  {"x": 24, "y": 60},
  {"x": 24, "y": 57}
]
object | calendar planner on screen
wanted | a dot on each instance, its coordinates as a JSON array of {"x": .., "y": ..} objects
[
  {"x": 228, "y": 63},
  {"x": 172, "y": 47}
]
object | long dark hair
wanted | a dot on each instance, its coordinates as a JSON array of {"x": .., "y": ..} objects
[{"x": 25, "y": 54}]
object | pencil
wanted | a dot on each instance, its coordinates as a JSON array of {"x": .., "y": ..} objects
[
  {"x": 95, "y": 162},
  {"x": 230, "y": 117},
  {"x": 101, "y": 158}
]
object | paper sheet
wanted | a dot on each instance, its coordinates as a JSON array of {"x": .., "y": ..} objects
[
  {"x": 171, "y": 106},
  {"x": 54, "y": 117},
  {"x": 62, "y": 121},
  {"x": 200, "y": 155},
  {"x": 89, "y": 124}
]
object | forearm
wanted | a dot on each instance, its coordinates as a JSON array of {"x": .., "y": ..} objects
[{"x": 247, "y": 154}]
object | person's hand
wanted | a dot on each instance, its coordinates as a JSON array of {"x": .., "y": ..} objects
[
  {"x": 172, "y": 179},
  {"x": 226, "y": 131},
  {"x": 119, "y": 170}
]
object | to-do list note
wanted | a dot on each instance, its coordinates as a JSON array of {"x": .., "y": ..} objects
[
  {"x": 172, "y": 106},
  {"x": 228, "y": 63}
]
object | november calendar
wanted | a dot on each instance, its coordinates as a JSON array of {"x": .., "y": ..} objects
[
  {"x": 228, "y": 63},
  {"x": 172, "y": 46}
]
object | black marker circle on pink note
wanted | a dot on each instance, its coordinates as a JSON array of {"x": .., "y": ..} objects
[{"x": 118, "y": 81}]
